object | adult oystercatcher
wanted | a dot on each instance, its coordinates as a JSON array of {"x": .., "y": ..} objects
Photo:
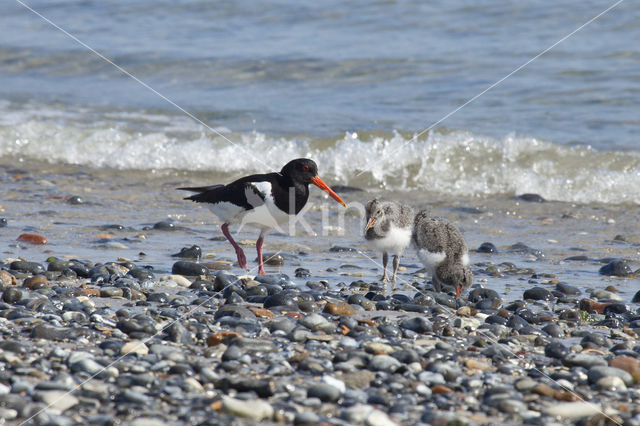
[
  {"x": 389, "y": 228},
  {"x": 265, "y": 201},
  {"x": 443, "y": 251}
]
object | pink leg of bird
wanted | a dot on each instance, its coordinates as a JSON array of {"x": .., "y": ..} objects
[
  {"x": 259, "y": 250},
  {"x": 242, "y": 260}
]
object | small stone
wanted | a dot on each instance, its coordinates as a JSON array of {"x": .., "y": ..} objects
[
  {"x": 27, "y": 267},
  {"x": 256, "y": 410},
  {"x": 7, "y": 279},
  {"x": 573, "y": 410},
  {"x": 273, "y": 259},
  {"x": 58, "y": 399},
  {"x": 600, "y": 294},
  {"x": 583, "y": 360},
  {"x": 11, "y": 295},
  {"x": 341, "y": 308},
  {"x": 134, "y": 347},
  {"x": 440, "y": 389},
  {"x": 324, "y": 392},
  {"x": 538, "y": 293},
  {"x": 617, "y": 268},
  {"x": 629, "y": 364},
  {"x": 384, "y": 363},
  {"x": 184, "y": 267},
  {"x": 612, "y": 383},
  {"x": 598, "y": 372},
  {"x": 222, "y": 337},
  {"x": 165, "y": 225},
  {"x": 32, "y": 239},
  {"x": 178, "y": 279},
  {"x": 36, "y": 282}
]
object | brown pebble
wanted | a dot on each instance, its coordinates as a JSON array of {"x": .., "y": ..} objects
[
  {"x": 7, "y": 278},
  {"x": 591, "y": 306},
  {"x": 36, "y": 282},
  {"x": 341, "y": 308},
  {"x": 222, "y": 337},
  {"x": 32, "y": 239},
  {"x": 261, "y": 312},
  {"x": 629, "y": 364},
  {"x": 566, "y": 396},
  {"x": 467, "y": 311},
  {"x": 438, "y": 389},
  {"x": 612, "y": 289},
  {"x": 476, "y": 364},
  {"x": 544, "y": 390},
  {"x": 90, "y": 291}
]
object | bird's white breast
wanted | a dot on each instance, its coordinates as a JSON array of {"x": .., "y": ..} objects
[
  {"x": 431, "y": 259},
  {"x": 396, "y": 240}
]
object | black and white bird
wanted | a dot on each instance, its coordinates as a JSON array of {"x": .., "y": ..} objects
[
  {"x": 265, "y": 201},
  {"x": 389, "y": 228},
  {"x": 443, "y": 251}
]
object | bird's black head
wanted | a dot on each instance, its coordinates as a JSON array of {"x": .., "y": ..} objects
[
  {"x": 300, "y": 170},
  {"x": 305, "y": 171}
]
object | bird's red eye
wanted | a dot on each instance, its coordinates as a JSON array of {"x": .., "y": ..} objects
[{"x": 305, "y": 168}]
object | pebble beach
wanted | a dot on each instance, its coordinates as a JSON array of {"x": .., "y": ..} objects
[{"x": 134, "y": 312}]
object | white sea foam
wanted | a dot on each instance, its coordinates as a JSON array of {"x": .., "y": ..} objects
[{"x": 457, "y": 163}]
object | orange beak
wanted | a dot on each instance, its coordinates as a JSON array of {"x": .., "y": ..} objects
[
  {"x": 370, "y": 224},
  {"x": 320, "y": 184},
  {"x": 458, "y": 290}
]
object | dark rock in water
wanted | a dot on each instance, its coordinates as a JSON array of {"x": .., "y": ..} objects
[
  {"x": 27, "y": 267},
  {"x": 272, "y": 259},
  {"x": 496, "y": 319},
  {"x": 141, "y": 274},
  {"x": 343, "y": 189},
  {"x": 567, "y": 289},
  {"x": 580, "y": 257},
  {"x": 283, "y": 300},
  {"x": 468, "y": 210},
  {"x": 3, "y": 222},
  {"x": 112, "y": 227},
  {"x": 302, "y": 273},
  {"x": 273, "y": 279},
  {"x": 516, "y": 322},
  {"x": 193, "y": 252},
  {"x": 487, "y": 248},
  {"x": 531, "y": 198},
  {"x": 164, "y": 225},
  {"x": 620, "y": 237},
  {"x": 636, "y": 298},
  {"x": 538, "y": 293},
  {"x": 324, "y": 392},
  {"x": 11, "y": 295},
  {"x": 525, "y": 249},
  {"x": 478, "y": 294},
  {"x": 184, "y": 267},
  {"x": 489, "y": 304},
  {"x": 617, "y": 268},
  {"x": 74, "y": 200},
  {"x": 341, "y": 249},
  {"x": 556, "y": 349}
]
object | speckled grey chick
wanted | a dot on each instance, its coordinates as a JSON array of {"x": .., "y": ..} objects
[
  {"x": 389, "y": 229},
  {"x": 443, "y": 251}
]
